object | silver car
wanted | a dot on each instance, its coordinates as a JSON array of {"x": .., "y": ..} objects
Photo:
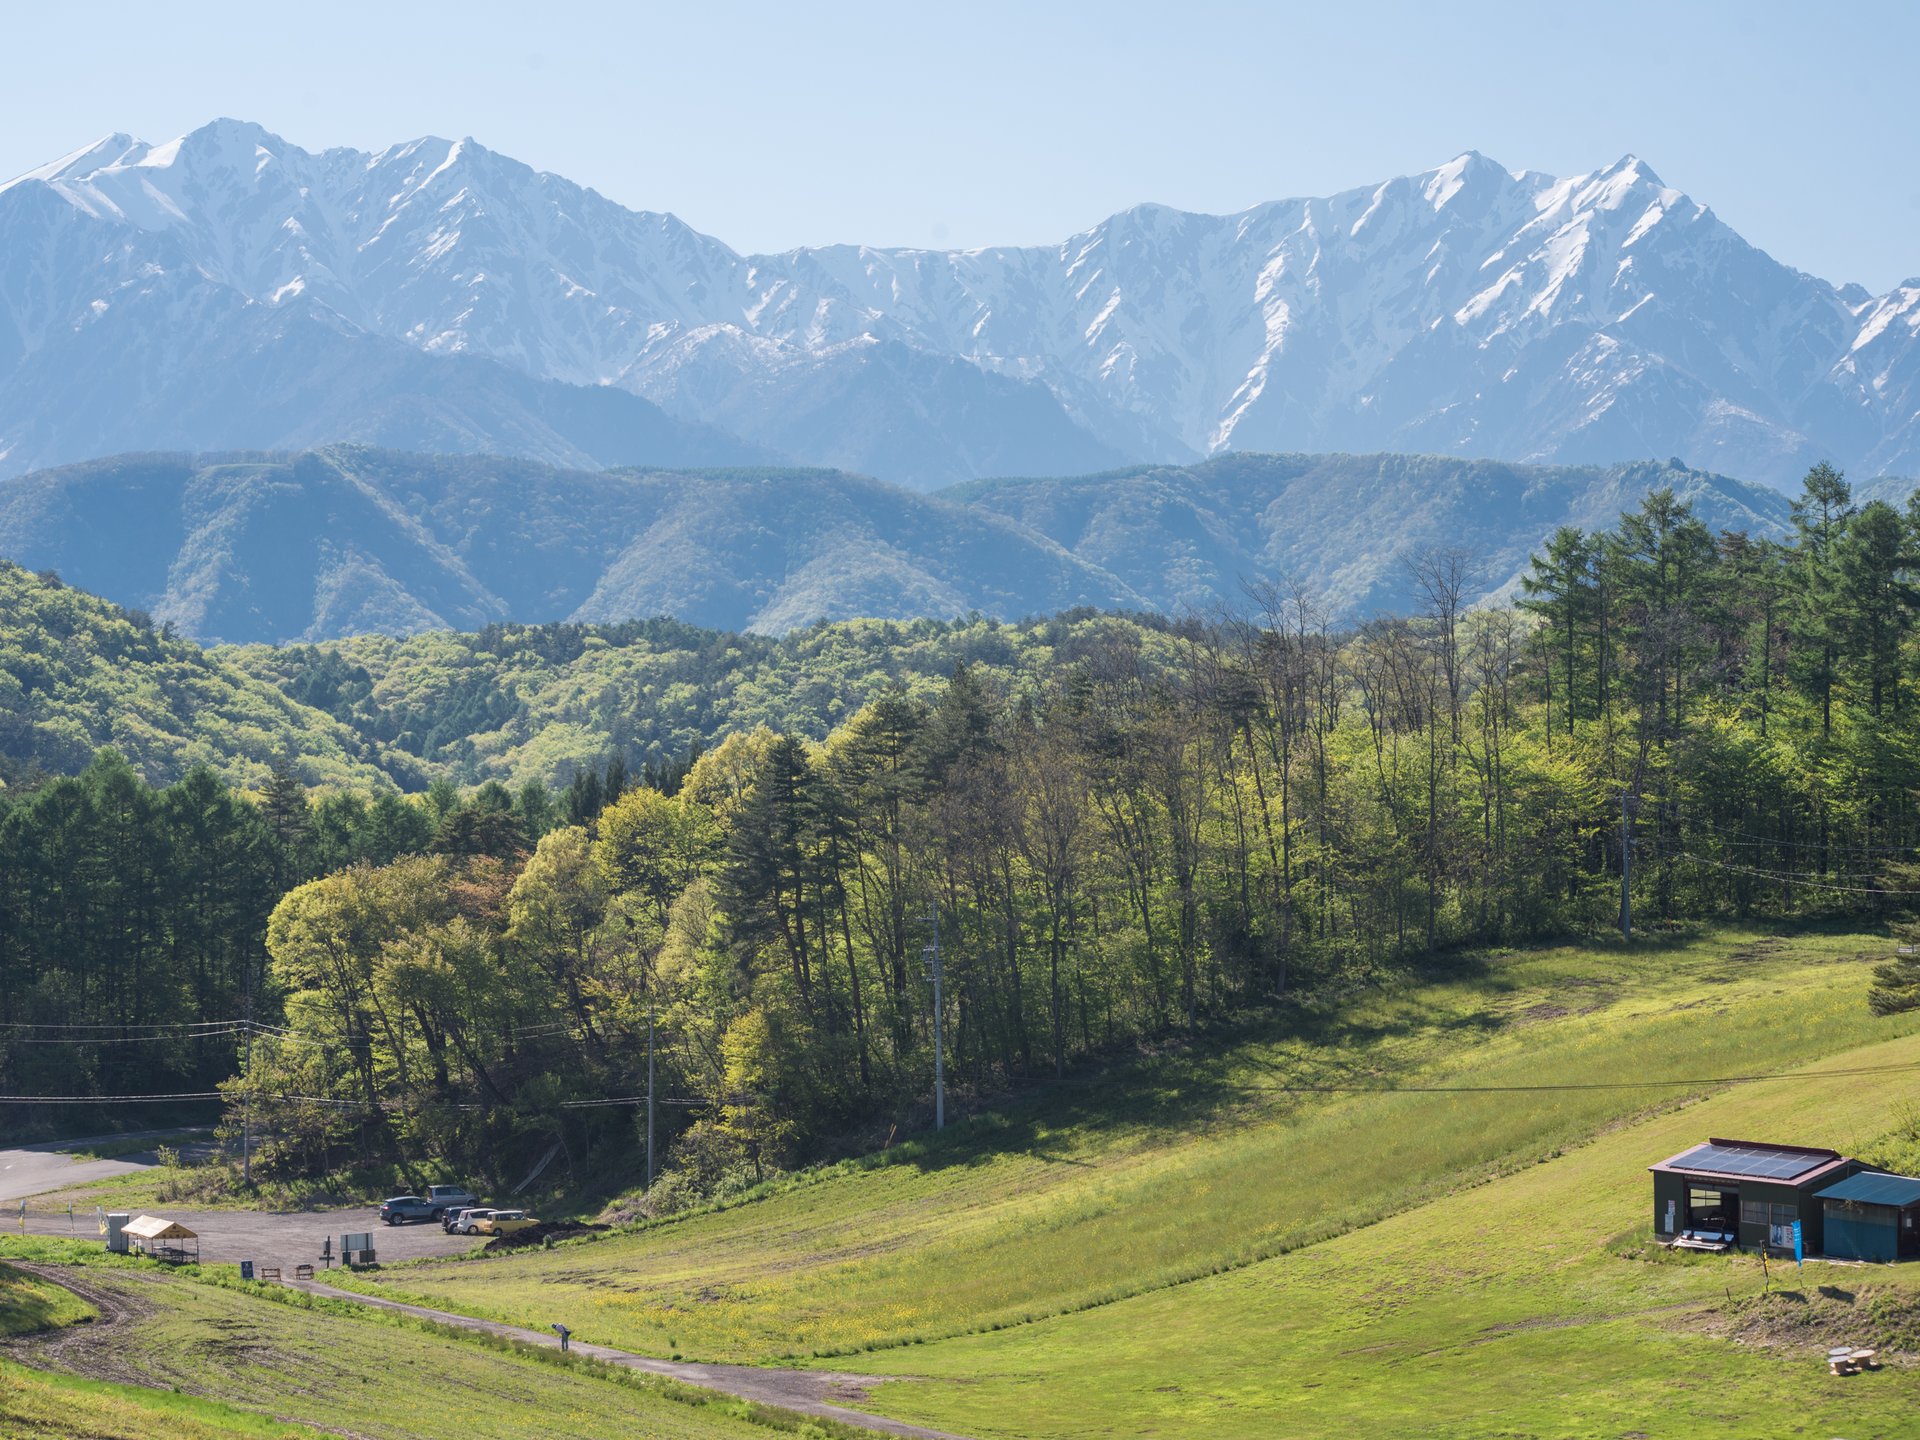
[{"x": 468, "y": 1221}]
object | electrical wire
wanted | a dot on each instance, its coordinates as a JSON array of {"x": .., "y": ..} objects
[
  {"x": 1852, "y": 1072},
  {"x": 1756, "y": 839},
  {"x": 1840, "y": 1074},
  {"x": 1805, "y": 880}
]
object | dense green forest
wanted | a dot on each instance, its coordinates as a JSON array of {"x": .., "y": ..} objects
[
  {"x": 1122, "y": 831},
  {"x": 78, "y": 673},
  {"x": 515, "y": 703}
]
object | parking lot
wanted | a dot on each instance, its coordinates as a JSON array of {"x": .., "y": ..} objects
[{"x": 266, "y": 1238}]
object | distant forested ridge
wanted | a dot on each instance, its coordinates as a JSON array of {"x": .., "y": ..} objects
[
  {"x": 253, "y": 548},
  {"x": 1122, "y": 831},
  {"x": 78, "y": 673}
]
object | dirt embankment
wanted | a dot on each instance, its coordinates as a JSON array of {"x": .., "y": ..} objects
[
  {"x": 1814, "y": 1318},
  {"x": 534, "y": 1236}
]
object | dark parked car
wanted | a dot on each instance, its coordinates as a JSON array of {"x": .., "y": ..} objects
[
  {"x": 447, "y": 1198},
  {"x": 402, "y": 1208}
]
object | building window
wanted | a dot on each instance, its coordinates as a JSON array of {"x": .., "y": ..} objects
[
  {"x": 1753, "y": 1212},
  {"x": 1709, "y": 1208},
  {"x": 1785, "y": 1215}
]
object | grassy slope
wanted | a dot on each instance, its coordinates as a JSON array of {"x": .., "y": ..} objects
[
  {"x": 1531, "y": 1306},
  {"x": 356, "y": 1373},
  {"x": 1168, "y": 1171},
  {"x": 33, "y": 1404},
  {"x": 60, "y": 1407},
  {"x": 28, "y": 1304}
]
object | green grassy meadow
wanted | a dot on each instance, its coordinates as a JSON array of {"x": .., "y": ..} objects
[
  {"x": 39, "y": 1406},
  {"x": 333, "y": 1366},
  {"x": 1178, "y": 1247},
  {"x": 1164, "y": 1172},
  {"x": 1531, "y": 1306}
]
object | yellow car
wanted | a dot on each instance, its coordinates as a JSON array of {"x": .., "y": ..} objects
[{"x": 505, "y": 1222}]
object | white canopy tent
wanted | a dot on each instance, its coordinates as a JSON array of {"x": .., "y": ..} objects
[{"x": 163, "y": 1239}]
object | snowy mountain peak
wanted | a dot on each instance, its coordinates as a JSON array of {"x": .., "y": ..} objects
[{"x": 1466, "y": 309}]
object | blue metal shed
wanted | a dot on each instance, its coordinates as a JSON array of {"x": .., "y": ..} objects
[{"x": 1872, "y": 1216}]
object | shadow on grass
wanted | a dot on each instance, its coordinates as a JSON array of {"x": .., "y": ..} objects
[
  {"x": 1325, "y": 1040},
  {"x": 26, "y": 1307}
]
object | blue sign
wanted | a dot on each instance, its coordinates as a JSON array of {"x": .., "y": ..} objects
[
  {"x": 1799, "y": 1253},
  {"x": 246, "y": 1269}
]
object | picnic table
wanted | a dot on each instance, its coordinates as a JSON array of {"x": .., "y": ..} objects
[{"x": 1850, "y": 1360}]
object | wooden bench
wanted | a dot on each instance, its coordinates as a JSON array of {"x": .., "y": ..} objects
[
  {"x": 1714, "y": 1240},
  {"x": 269, "y": 1272},
  {"x": 303, "y": 1272}
]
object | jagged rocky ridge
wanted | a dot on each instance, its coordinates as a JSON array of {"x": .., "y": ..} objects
[{"x": 1470, "y": 310}]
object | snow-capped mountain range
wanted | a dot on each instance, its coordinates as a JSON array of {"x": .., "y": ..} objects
[{"x": 230, "y": 288}]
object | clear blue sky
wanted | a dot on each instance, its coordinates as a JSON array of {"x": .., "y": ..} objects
[{"x": 982, "y": 122}]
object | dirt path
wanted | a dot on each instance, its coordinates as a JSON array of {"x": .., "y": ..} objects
[{"x": 808, "y": 1392}]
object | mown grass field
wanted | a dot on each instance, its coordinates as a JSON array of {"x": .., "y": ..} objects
[
  {"x": 1531, "y": 1306},
  {"x": 38, "y": 1406},
  {"x": 331, "y": 1366},
  {"x": 1166, "y": 1171}
]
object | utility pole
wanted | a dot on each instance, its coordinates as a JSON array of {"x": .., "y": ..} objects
[
  {"x": 246, "y": 1131},
  {"x": 649, "y": 1092},
  {"x": 1626, "y": 869},
  {"x": 932, "y": 953}
]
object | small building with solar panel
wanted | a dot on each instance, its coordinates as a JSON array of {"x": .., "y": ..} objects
[{"x": 1745, "y": 1194}]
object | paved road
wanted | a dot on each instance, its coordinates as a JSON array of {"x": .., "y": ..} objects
[
  {"x": 30, "y": 1170},
  {"x": 810, "y": 1392}
]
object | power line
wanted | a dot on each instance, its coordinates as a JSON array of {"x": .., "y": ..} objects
[
  {"x": 125, "y": 1039},
  {"x": 1754, "y": 838},
  {"x": 1807, "y": 880},
  {"x": 1853, "y": 1072},
  {"x": 174, "y": 1027},
  {"x": 105, "y": 1099},
  {"x": 1841, "y": 1074}
]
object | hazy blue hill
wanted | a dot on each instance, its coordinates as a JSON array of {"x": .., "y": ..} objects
[
  {"x": 346, "y": 540},
  {"x": 1342, "y": 526},
  {"x": 247, "y": 547}
]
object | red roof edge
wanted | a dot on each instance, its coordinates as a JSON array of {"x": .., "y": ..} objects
[{"x": 1770, "y": 1145}]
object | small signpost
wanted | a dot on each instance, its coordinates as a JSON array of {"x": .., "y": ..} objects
[{"x": 246, "y": 1269}]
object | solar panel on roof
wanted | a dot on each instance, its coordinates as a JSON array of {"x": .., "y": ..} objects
[{"x": 1749, "y": 1160}]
